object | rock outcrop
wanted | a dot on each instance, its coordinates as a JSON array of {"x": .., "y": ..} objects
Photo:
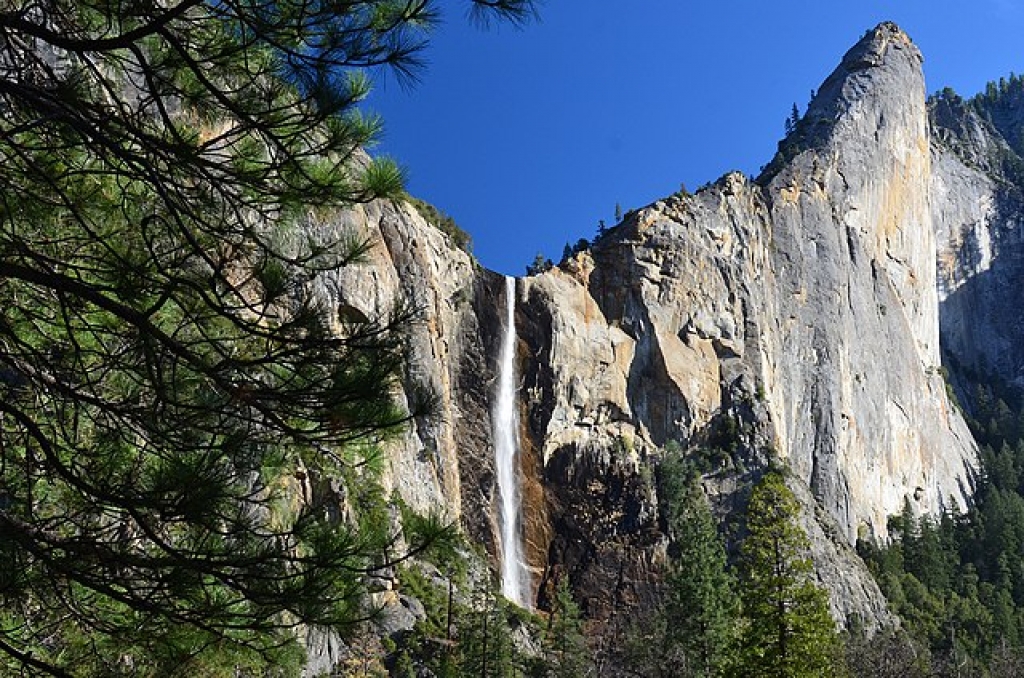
[
  {"x": 442, "y": 463},
  {"x": 796, "y": 316},
  {"x": 792, "y": 318}
]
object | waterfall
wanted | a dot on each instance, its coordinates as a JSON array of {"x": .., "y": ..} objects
[{"x": 515, "y": 577}]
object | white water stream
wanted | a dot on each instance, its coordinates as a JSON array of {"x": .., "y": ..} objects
[{"x": 515, "y": 577}]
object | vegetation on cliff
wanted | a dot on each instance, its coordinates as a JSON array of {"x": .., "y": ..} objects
[
  {"x": 1002, "y": 105},
  {"x": 695, "y": 629}
]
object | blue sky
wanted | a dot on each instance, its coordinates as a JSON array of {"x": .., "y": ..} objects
[{"x": 529, "y": 137}]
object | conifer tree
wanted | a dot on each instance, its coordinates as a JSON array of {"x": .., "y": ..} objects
[
  {"x": 792, "y": 120},
  {"x": 564, "y": 642},
  {"x": 485, "y": 640},
  {"x": 167, "y": 370},
  {"x": 701, "y": 609},
  {"x": 539, "y": 265},
  {"x": 789, "y": 632}
]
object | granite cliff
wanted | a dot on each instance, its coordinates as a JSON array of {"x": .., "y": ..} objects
[
  {"x": 978, "y": 210},
  {"x": 797, "y": 317}
]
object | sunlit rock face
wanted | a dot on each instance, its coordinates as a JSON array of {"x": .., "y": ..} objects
[
  {"x": 443, "y": 462},
  {"x": 410, "y": 266},
  {"x": 794, "y": 317},
  {"x": 864, "y": 414}
]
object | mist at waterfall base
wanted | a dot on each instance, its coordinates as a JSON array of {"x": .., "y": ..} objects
[{"x": 515, "y": 577}]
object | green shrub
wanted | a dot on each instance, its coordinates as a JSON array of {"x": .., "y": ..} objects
[{"x": 442, "y": 222}]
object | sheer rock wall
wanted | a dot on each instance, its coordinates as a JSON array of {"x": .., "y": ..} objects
[{"x": 795, "y": 317}]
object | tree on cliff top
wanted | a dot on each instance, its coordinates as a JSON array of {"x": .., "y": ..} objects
[
  {"x": 789, "y": 632},
  {"x": 165, "y": 370}
]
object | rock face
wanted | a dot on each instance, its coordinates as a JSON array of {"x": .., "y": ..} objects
[
  {"x": 978, "y": 209},
  {"x": 443, "y": 462},
  {"x": 854, "y": 262},
  {"x": 794, "y": 318}
]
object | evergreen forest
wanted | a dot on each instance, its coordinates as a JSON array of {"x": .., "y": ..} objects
[{"x": 955, "y": 580}]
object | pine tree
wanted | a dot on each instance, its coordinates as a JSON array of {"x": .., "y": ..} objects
[
  {"x": 789, "y": 632},
  {"x": 792, "y": 120},
  {"x": 564, "y": 642},
  {"x": 1004, "y": 612},
  {"x": 485, "y": 640},
  {"x": 539, "y": 265},
  {"x": 167, "y": 369},
  {"x": 701, "y": 609},
  {"x": 928, "y": 558}
]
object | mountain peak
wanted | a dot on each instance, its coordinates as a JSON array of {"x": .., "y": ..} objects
[
  {"x": 878, "y": 84},
  {"x": 885, "y": 64},
  {"x": 876, "y": 42}
]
